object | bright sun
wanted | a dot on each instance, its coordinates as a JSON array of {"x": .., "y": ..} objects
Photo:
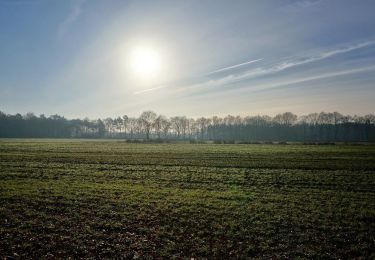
[{"x": 146, "y": 62}]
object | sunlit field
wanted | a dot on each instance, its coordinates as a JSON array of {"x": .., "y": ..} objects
[{"x": 112, "y": 199}]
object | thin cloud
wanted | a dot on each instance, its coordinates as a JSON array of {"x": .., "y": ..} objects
[
  {"x": 148, "y": 90},
  {"x": 301, "y": 4},
  {"x": 256, "y": 88},
  {"x": 322, "y": 56},
  {"x": 234, "y": 66},
  {"x": 72, "y": 17},
  {"x": 262, "y": 71},
  {"x": 316, "y": 77},
  {"x": 288, "y": 64}
]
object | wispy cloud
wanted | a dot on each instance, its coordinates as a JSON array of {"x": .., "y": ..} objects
[
  {"x": 275, "y": 68},
  {"x": 234, "y": 66},
  {"x": 315, "y": 77},
  {"x": 281, "y": 66},
  {"x": 301, "y": 4},
  {"x": 71, "y": 18},
  {"x": 148, "y": 90},
  {"x": 321, "y": 56}
]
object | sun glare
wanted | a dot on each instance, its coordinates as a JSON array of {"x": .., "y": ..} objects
[{"x": 146, "y": 62}]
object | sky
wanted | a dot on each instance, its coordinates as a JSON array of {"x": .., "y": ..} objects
[{"x": 74, "y": 57}]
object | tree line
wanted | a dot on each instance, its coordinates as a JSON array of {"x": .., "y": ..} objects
[{"x": 314, "y": 127}]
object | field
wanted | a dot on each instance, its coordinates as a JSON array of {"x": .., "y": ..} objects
[{"x": 108, "y": 199}]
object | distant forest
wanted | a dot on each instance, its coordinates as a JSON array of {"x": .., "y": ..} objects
[{"x": 315, "y": 127}]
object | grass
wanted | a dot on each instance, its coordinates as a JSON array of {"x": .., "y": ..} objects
[{"x": 111, "y": 199}]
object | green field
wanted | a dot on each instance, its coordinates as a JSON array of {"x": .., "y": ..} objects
[{"x": 110, "y": 199}]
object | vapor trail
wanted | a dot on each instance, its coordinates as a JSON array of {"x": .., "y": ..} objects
[
  {"x": 234, "y": 66},
  {"x": 148, "y": 90}
]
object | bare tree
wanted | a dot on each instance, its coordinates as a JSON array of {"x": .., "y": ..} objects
[
  {"x": 191, "y": 127},
  {"x": 108, "y": 122},
  {"x": 216, "y": 120},
  {"x": 184, "y": 125},
  {"x": 125, "y": 121},
  {"x": 229, "y": 120},
  {"x": 203, "y": 123},
  {"x": 289, "y": 118},
  {"x": 133, "y": 126},
  {"x": 160, "y": 124},
  {"x": 119, "y": 124},
  {"x": 176, "y": 124},
  {"x": 166, "y": 125},
  {"x": 147, "y": 120},
  {"x": 370, "y": 119}
]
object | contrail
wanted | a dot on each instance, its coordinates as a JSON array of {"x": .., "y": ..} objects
[
  {"x": 234, "y": 66},
  {"x": 148, "y": 90}
]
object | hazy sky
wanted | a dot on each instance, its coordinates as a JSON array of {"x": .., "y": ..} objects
[{"x": 217, "y": 57}]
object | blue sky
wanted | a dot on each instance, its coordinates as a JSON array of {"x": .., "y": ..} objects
[{"x": 218, "y": 57}]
